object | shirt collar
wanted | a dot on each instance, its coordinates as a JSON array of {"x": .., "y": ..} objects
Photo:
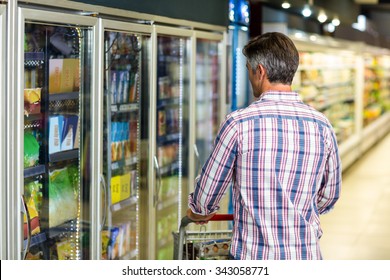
[{"x": 281, "y": 96}]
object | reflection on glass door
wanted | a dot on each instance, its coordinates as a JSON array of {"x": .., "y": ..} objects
[
  {"x": 56, "y": 90},
  {"x": 171, "y": 138},
  {"x": 208, "y": 95},
  {"x": 123, "y": 69}
]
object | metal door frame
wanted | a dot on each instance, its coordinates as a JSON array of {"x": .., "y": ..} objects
[{"x": 3, "y": 110}]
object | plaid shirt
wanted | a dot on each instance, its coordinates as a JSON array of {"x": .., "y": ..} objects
[{"x": 282, "y": 158}]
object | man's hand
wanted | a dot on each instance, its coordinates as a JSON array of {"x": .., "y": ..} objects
[{"x": 199, "y": 219}]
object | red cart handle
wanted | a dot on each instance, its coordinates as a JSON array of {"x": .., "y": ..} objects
[
  {"x": 217, "y": 217},
  {"x": 222, "y": 217}
]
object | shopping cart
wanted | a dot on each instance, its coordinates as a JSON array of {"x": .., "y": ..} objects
[{"x": 202, "y": 244}]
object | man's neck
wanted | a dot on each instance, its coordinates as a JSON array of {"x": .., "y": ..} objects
[{"x": 277, "y": 87}]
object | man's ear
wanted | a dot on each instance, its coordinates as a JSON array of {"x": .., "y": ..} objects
[{"x": 261, "y": 71}]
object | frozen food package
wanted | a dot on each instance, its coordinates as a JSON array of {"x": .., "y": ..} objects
[
  {"x": 55, "y": 132},
  {"x": 34, "y": 218},
  {"x": 63, "y": 75},
  {"x": 32, "y": 101},
  {"x": 133, "y": 87},
  {"x": 31, "y": 150},
  {"x": 125, "y": 186},
  {"x": 65, "y": 250},
  {"x": 113, "y": 245},
  {"x": 105, "y": 243},
  {"x": 32, "y": 95},
  {"x": 34, "y": 189},
  {"x": 63, "y": 197},
  {"x": 164, "y": 87},
  {"x": 115, "y": 185},
  {"x": 69, "y": 132},
  {"x": 162, "y": 123},
  {"x": 33, "y": 196}
]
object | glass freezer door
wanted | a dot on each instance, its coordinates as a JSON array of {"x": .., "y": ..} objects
[
  {"x": 208, "y": 108},
  {"x": 208, "y": 95},
  {"x": 172, "y": 138},
  {"x": 57, "y": 84},
  {"x": 124, "y": 72}
]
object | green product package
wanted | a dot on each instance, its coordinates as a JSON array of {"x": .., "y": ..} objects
[
  {"x": 31, "y": 150},
  {"x": 63, "y": 197}
]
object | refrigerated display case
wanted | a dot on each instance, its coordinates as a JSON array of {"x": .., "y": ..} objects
[
  {"x": 376, "y": 96},
  {"x": 56, "y": 85},
  {"x": 347, "y": 81},
  {"x": 328, "y": 78},
  {"x": 126, "y": 60},
  {"x": 326, "y": 81}
]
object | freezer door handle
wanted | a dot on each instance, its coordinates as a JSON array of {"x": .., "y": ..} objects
[
  {"x": 157, "y": 189},
  {"x": 103, "y": 182},
  {"x": 197, "y": 159},
  {"x": 25, "y": 212}
]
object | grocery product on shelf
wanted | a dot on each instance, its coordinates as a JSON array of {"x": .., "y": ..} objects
[
  {"x": 376, "y": 95},
  {"x": 326, "y": 81},
  {"x": 63, "y": 193}
]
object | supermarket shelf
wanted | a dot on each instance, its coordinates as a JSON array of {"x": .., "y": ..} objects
[
  {"x": 62, "y": 156},
  {"x": 34, "y": 56},
  {"x": 124, "y": 108},
  {"x": 64, "y": 96},
  {"x": 36, "y": 239},
  {"x": 168, "y": 101},
  {"x": 168, "y": 138},
  {"x": 132, "y": 201},
  {"x": 66, "y": 227},
  {"x": 124, "y": 162},
  {"x": 34, "y": 171}
]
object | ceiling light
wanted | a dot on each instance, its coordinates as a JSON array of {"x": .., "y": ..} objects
[
  {"x": 330, "y": 27},
  {"x": 306, "y": 12},
  {"x": 322, "y": 17},
  {"x": 286, "y": 5},
  {"x": 336, "y": 21}
]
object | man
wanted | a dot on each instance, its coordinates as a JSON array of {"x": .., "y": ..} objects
[{"x": 281, "y": 157}]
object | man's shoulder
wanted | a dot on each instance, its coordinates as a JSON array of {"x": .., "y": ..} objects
[{"x": 243, "y": 113}]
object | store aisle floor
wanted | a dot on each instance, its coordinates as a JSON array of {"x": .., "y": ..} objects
[{"x": 358, "y": 228}]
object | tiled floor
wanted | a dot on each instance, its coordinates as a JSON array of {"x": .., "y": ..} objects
[{"x": 358, "y": 228}]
